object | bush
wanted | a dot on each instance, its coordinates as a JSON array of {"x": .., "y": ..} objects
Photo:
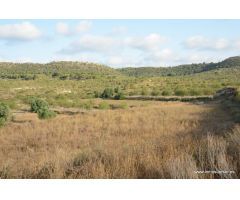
[
  {"x": 4, "y": 113},
  {"x": 208, "y": 91},
  {"x": 195, "y": 92},
  {"x": 10, "y": 103},
  {"x": 116, "y": 90},
  {"x": 166, "y": 93},
  {"x": 87, "y": 105},
  {"x": 103, "y": 105},
  {"x": 180, "y": 92},
  {"x": 96, "y": 94},
  {"x": 155, "y": 92},
  {"x": 119, "y": 96},
  {"x": 37, "y": 104},
  {"x": 107, "y": 93},
  {"x": 144, "y": 92},
  {"x": 45, "y": 113},
  {"x": 41, "y": 107},
  {"x": 132, "y": 93}
]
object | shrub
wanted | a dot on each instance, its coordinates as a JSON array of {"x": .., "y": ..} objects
[
  {"x": 87, "y": 105},
  {"x": 119, "y": 96},
  {"x": 107, "y": 93},
  {"x": 41, "y": 107},
  {"x": 11, "y": 103},
  {"x": 4, "y": 113},
  {"x": 45, "y": 113},
  {"x": 96, "y": 94},
  {"x": 195, "y": 92},
  {"x": 63, "y": 77},
  {"x": 166, "y": 93},
  {"x": 155, "y": 92},
  {"x": 37, "y": 104},
  {"x": 208, "y": 91},
  {"x": 116, "y": 90},
  {"x": 132, "y": 93},
  {"x": 180, "y": 92},
  {"x": 144, "y": 92},
  {"x": 103, "y": 105}
]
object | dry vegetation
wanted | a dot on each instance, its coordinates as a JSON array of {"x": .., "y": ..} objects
[{"x": 158, "y": 140}]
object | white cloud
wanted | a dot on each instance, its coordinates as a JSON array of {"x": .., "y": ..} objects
[
  {"x": 237, "y": 44},
  {"x": 221, "y": 43},
  {"x": 123, "y": 60},
  {"x": 115, "y": 60},
  {"x": 151, "y": 50},
  {"x": 165, "y": 54},
  {"x": 119, "y": 30},
  {"x": 204, "y": 43},
  {"x": 195, "y": 42},
  {"x": 64, "y": 29},
  {"x": 83, "y": 26},
  {"x": 21, "y": 31},
  {"x": 91, "y": 43},
  {"x": 161, "y": 57},
  {"x": 150, "y": 42}
]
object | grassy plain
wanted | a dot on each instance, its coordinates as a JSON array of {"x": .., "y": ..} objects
[{"x": 147, "y": 139}]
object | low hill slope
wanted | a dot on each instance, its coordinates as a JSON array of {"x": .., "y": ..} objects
[
  {"x": 180, "y": 70},
  {"x": 55, "y": 69}
]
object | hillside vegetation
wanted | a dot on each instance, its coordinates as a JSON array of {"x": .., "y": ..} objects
[
  {"x": 66, "y": 83},
  {"x": 62, "y": 70},
  {"x": 181, "y": 69}
]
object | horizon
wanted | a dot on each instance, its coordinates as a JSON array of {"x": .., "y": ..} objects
[
  {"x": 119, "y": 43},
  {"x": 95, "y": 63}
]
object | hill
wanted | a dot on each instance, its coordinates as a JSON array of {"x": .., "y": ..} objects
[
  {"x": 62, "y": 70},
  {"x": 181, "y": 69},
  {"x": 65, "y": 83},
  {"x": 86, "y": 70}
]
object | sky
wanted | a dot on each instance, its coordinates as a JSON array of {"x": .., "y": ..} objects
[{"x": 119, "y": 43}]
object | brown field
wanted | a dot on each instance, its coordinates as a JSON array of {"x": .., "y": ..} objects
[{"x": 154, "y": 140}]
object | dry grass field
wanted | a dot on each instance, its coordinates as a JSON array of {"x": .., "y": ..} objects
[{"x": 154, "y": 140}]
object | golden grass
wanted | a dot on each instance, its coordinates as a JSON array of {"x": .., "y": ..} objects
[{"x": 160, "y": 140}]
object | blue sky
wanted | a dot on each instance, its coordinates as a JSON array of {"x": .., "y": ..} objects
[{"x": 120, "y": 43}]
